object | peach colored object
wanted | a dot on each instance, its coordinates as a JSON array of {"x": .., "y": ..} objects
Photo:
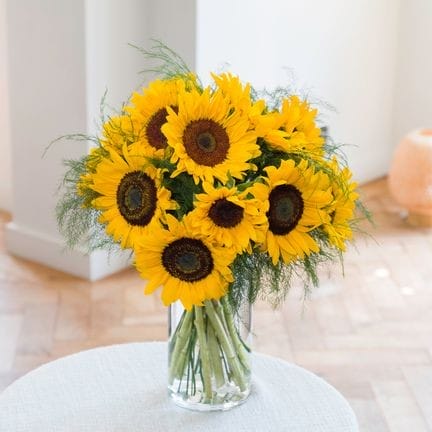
[{"x": 410, "y": 177}]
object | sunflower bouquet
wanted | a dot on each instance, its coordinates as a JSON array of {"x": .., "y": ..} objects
[{"x": 223, "y": 194}]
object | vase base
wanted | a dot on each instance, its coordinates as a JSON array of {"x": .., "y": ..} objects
[{"x": 194, "y": 403}]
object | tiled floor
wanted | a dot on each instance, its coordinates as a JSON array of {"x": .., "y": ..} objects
[{"x": 369, "y": 334}]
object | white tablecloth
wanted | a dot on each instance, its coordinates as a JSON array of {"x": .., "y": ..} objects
[{"x": 123, "y": 388}]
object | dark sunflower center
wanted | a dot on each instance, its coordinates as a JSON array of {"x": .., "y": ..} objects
[
  {"x": 206, "y": 142},
  {"x": 286, "y": 209},
  {"x": 153, "y": 131},
  {"x": 187, "y": 259},
  {"x": 136, "y": 198},
  {"x": 225, "y": 213}
]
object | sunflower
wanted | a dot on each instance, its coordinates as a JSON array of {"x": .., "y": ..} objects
[
  {"x": 296, "y": 197},
  {"x": 90, "y": 164},
  {"x": 132, "y": 199},
  {"x": 240, "y": 97},
  {"x": 341, "y": 209},
  {"x": 119, "y": 131},
  {"x": 209, "y": 137},
  {"x": 184, "y": 262},
  {"x": 231, "y": 218},
  {"x": 149, "y": 111},
  {"x": 293, "y": 129}
]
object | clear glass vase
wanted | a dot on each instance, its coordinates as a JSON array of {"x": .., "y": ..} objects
[{"x": 209, "y": 355}]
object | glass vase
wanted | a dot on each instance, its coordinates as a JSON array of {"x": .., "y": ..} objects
[{"x": 209, "y": 355}]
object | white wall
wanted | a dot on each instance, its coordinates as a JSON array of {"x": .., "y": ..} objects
[
  {"x": 343, "y": 52},
  {"x": 46, "y": 63},
  {"x": 174, "y": 23},
  {"x": 47, "y": 100},
  {"x": 5, "y": 159},
  {"x": 112, "y": 65},
  {"x": 52, "y": 77},
  {"x": 61, "y": 58},
  {"x": 413, "y": 90},
  {"x": 111, "y": 25}
]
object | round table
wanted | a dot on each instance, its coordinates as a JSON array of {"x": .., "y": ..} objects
[{"x": 123, "y": 388}]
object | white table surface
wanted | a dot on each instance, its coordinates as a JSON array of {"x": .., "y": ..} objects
[{"x": 123, "y": 388}]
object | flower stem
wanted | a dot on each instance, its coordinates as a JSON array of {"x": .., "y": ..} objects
[
  {"x": 204, "y": 353},
  {"x": 238, "y": 344},
  {"x": 215, "y": 357},
  {"x": 227, "y": 346},
  {"x": 181, "y": 344}
]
